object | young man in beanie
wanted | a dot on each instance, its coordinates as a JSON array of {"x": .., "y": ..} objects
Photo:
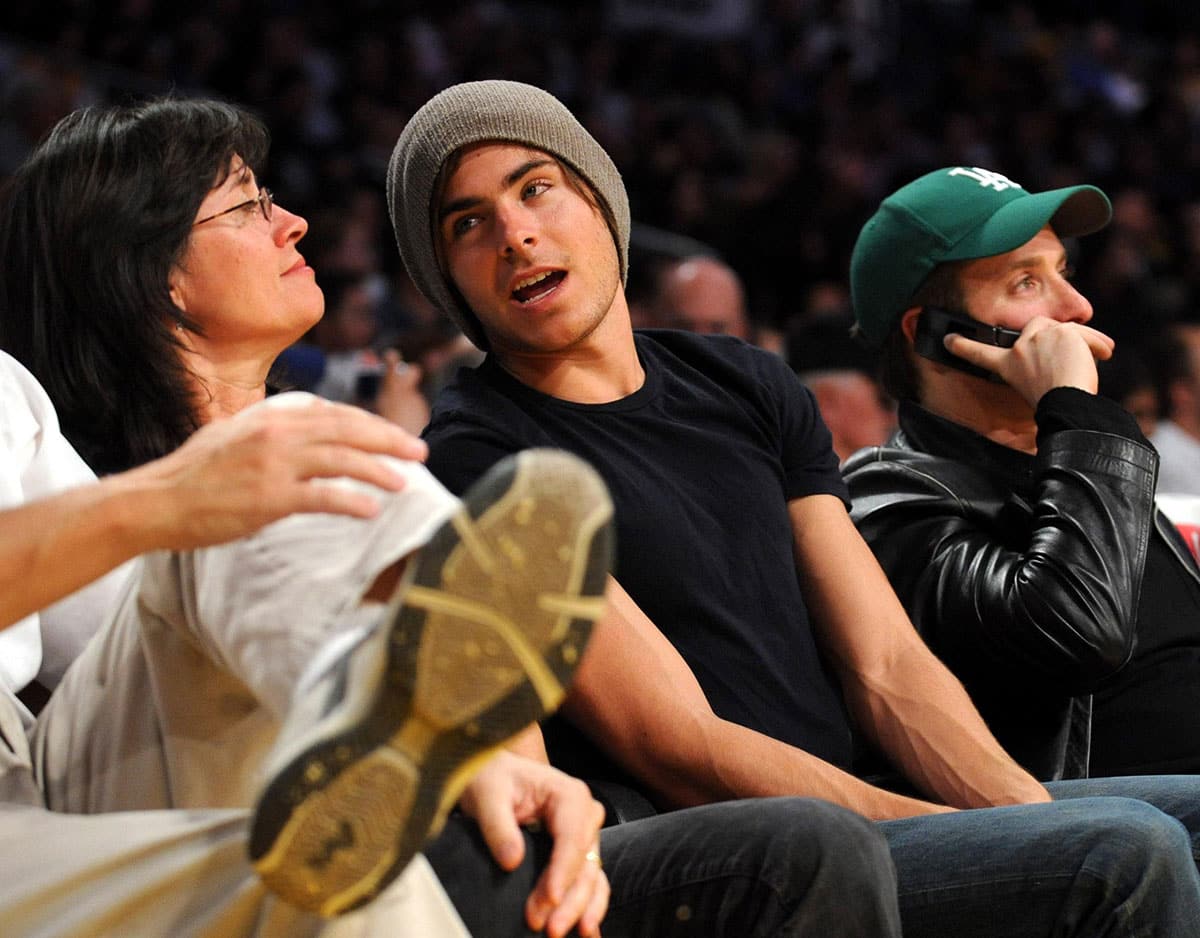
[
  {"x": 1014, "y": 512},
  {"x": 732, "y": 529}
]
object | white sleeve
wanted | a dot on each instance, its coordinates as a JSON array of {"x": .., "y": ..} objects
[{"x": 36, "y": 461}]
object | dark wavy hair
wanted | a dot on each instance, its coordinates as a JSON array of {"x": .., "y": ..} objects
[{"x": 91, "y": 226}]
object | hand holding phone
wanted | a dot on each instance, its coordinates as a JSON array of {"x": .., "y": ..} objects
[{"x": 935, "y": 323}]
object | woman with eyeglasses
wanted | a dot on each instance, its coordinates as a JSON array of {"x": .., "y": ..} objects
[{"x": 150, "y": 281}]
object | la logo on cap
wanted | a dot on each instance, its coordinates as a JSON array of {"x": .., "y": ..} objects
[{"x": 985, "y": 177}]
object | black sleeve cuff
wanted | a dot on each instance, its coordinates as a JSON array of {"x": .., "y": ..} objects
[{"x": 1072, "y": 409}]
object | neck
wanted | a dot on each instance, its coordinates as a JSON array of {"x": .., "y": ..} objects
[
  {"x": 218, "y": 400},
  {"x": 222, "y": 389},
  {"x": 992, "y": 410},
  {"x": 597, "y": 369}
]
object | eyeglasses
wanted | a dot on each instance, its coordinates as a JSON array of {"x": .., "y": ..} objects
[{"x": 264, "y": 200}]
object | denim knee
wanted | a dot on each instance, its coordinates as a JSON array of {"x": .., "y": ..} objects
[
  {"x": 759, "y": 867},
  {"x": 806, "y": 857},
  {"x": 815, "y": 855},
  {"x": 843, "y": 844},
  {"x": 1148, "y": 838},
  {"x": 1139, "y": 862}
]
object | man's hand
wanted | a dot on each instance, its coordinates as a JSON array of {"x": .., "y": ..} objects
[
  {"x": 236, "y": 475},
  {"x": 512, "y": 790},
  {"x": 1049, "y": 354}
]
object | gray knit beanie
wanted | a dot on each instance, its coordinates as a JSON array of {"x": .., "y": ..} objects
[{"x": 475, "y": 112}]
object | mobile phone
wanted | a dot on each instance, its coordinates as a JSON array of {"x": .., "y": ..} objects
[{"x": 934, "y": 324}]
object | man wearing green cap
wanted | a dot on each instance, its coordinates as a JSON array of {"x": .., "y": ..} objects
[
  {"x": 750, "y": 632},
  {"x": 1014, "y": 510}
]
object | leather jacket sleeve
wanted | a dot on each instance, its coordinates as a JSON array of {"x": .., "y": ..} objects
[{"x": 1028, "y": 578}]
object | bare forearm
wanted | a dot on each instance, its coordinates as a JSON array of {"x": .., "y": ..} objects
[
  {"x": 637, "y": 699},
  {"x": 229, "y": 479},
  {"x": 925, "y": 723},
  {"x": 726, "y": 760},
  {"x": 53, "y": 547},
  {"x": 899, "y": 692}
]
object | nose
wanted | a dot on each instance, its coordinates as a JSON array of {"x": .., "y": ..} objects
[
  {"x": 287, "y": 227},
  {"x": 515, "y": 229},
  {"x": 1073, "y": 306}
]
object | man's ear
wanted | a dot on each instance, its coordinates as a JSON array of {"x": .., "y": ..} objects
[{"x": 908, "y": 323}]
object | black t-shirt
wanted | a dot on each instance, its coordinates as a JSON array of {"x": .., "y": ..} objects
[{"x": 701, "y": 461}]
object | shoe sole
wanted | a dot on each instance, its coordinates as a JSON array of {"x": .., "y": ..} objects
[{"x": 485, "y": 633}]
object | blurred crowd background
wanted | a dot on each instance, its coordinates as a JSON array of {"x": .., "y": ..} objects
[{"x": 764, "y": 132}]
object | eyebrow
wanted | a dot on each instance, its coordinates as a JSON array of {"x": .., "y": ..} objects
[
  {"x": 236, "y": 178},
  {"x": 511, "y": 179},
  {"x": 1035, "y": 260}
]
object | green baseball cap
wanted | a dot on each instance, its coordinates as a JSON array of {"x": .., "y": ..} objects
[{"x": 953, "y": 214}]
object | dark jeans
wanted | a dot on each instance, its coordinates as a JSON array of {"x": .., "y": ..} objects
[
  {"x": 739, "y": 869},
  {"x": 1082, "y": 866},
  {"x": 1102, "y": 860}
]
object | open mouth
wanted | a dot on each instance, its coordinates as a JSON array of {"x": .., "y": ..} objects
[{"x": 538, "y": 286}]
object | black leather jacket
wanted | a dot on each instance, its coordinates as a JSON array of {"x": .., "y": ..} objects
[{"x": 1022, "y": 572}]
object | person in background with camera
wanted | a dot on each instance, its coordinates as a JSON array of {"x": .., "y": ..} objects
[
  {"x": 1013, "y": 511},
  {"x": 345, "y": 357}
]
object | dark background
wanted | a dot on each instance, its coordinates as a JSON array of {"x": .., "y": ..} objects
[{"x": 767, "y": 130}]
